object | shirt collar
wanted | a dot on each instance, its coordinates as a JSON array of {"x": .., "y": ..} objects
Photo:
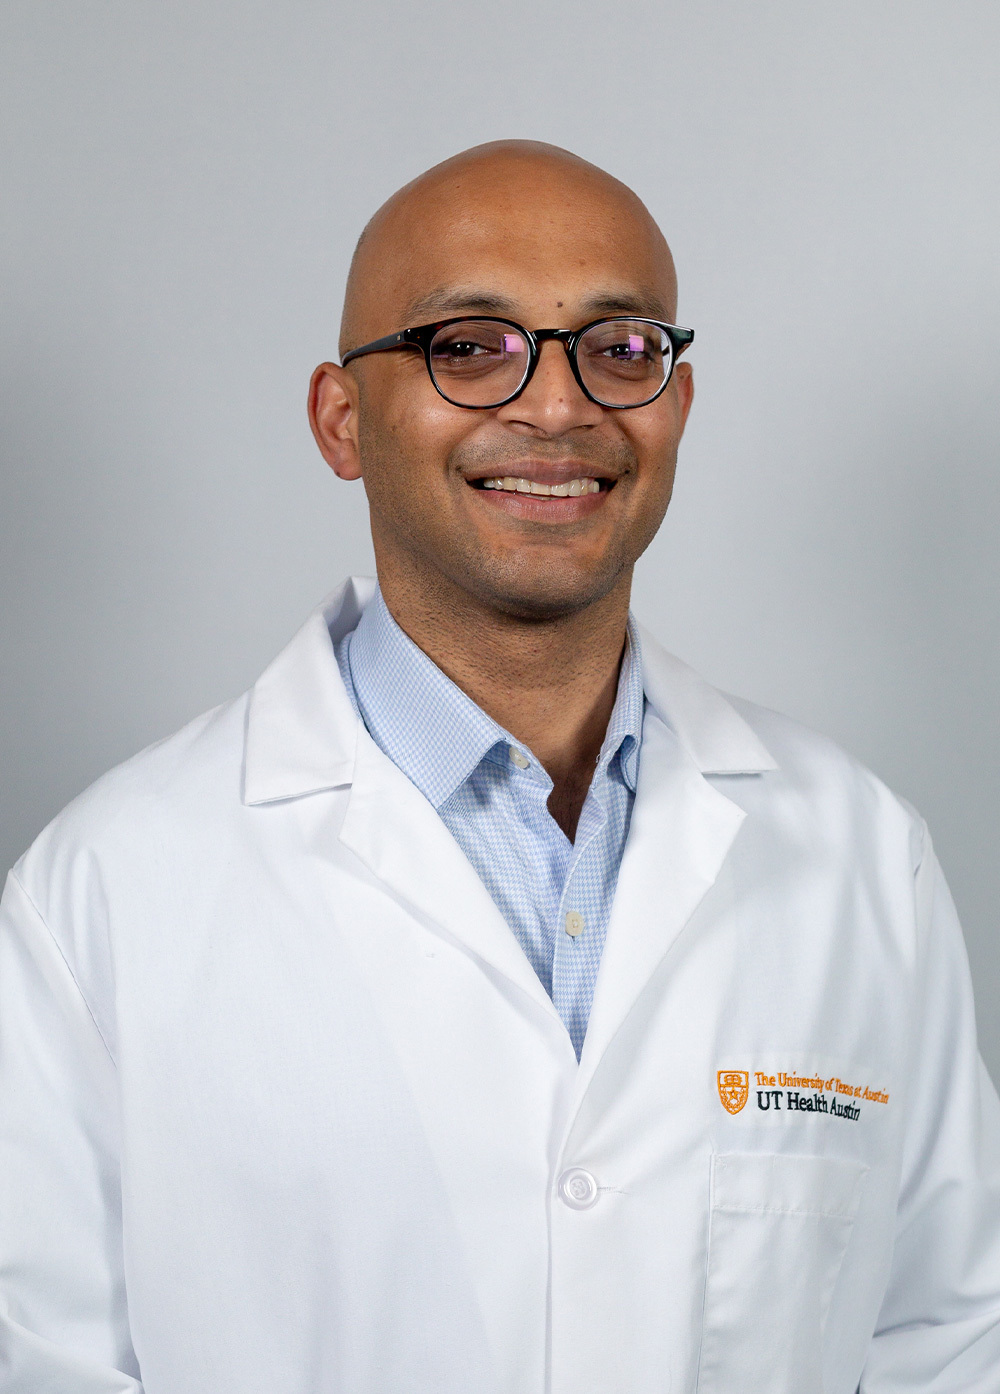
[
  {"x": 624, "y": 732},
  {"x": 432, "y": 730},
  {"x": 302, "y": 729}
]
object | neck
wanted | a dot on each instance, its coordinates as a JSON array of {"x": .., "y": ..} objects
[{"x": 551, "y": 683}]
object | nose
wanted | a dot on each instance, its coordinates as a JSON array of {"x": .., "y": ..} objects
[{"x": 552, "y": 403}]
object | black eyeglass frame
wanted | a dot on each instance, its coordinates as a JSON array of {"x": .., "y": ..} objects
[{"x": 422, "y": 336}]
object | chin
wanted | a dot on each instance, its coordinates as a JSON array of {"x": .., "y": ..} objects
[{"x": 542, "y": 593}]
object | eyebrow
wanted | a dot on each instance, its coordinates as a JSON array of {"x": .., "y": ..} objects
[
  {"x": 642, "y": 302},
  {"x": 446, "y": 300},
  {"x": 449, "y": 300}
]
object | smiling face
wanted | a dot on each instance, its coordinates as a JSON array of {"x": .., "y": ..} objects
[{"x": 460, "y": 499}]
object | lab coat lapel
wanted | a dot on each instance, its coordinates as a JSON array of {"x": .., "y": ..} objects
[
  {"x": 303, "y": 737},
  {"x": 398, "y": 835},
  {"x": 680, "y": 834},
  {"x": 681, "y": 831}
]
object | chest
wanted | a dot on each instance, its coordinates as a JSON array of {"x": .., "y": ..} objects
[{"x": 310, "y": 999}]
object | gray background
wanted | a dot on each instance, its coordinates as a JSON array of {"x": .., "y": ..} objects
[{"x": 183, "y": 185}]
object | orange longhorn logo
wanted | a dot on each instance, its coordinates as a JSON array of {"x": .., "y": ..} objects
[{"x": 734, "y": 1089}]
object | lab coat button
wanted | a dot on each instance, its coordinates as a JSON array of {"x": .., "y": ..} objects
[{"x": 578, "y": 1188}]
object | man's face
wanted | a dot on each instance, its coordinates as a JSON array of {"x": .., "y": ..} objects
[{"x": 548, "y": 251}]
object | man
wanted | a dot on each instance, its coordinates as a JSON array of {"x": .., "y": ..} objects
[{"x": 484, "y": 1002}]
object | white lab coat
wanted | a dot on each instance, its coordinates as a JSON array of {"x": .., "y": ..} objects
[{"x": 285, "y": 1110}]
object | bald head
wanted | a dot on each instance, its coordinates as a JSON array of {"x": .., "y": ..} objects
[
  {"x": 536, "y": 237},
  {"x": 463, "y": 230}
]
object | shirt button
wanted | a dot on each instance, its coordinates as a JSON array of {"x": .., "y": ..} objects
[
  {"x": 578, "y": 1189},
  {"x": 520, "y": 760},
  {"x": 574, "y": 923}
]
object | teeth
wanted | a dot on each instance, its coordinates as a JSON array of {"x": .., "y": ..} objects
[{"x": 573, "y": 488}]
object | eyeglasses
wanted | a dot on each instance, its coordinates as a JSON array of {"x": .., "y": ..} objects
[{"x": 486, "y": 362}]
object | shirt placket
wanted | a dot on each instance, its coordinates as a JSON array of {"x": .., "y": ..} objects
[
  {"x": 530, "y": 788},
  {"x": 578, "y": 929}
]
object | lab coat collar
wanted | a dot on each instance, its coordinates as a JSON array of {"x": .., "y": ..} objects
[
  {"x": 712, "y": 732},
  {"x": 302, "y": 731}
]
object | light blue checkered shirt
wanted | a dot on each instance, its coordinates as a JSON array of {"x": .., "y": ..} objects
[{"x": 464, "y": 764}]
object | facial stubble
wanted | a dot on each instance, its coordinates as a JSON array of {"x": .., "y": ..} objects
[{"x": 524, "y": 573}]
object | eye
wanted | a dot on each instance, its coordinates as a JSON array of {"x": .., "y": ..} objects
[
  {"x": 629, "y": 350},
  {"x": 477, "y": 347},
  {"x": 462, "y": 343},
  {"x": 462, "y": 348},
  {"x": 626, "y": 348},
  {"x": 634, "y": 347}
]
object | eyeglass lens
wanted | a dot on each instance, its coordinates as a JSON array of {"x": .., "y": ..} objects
[{"x": 480, "y": 363}]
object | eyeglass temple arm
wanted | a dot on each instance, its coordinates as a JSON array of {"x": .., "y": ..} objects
[{"x": 390, "y": 341}]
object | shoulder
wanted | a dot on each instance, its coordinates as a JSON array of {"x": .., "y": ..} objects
[
  {"x": 141, "y": 805},
  {"x": 798, "y": 783},
  {"x": 824, "y": 786},
  {"x": 182, "y": 802}
]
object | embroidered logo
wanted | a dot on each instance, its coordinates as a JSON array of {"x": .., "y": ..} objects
[
  {"x": 791, "y": 1092},
  {"x": 734, "y": 1089}
]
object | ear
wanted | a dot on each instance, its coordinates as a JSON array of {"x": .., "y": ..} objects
[
  {"x": 333, "y": 416},
  {"x": 684, "y": 379}
]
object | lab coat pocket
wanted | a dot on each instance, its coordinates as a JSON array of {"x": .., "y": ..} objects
[{"x": 779, "y": 1228}]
